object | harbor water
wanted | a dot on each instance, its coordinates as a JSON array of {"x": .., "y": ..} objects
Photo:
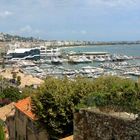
[
  {"x": 129, "y": 50},
  {"x": 129, "y": 68}
]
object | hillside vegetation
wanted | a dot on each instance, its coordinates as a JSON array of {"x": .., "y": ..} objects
[{"x": 57, "y": 99}]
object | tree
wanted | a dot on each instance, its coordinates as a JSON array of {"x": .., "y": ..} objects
[
  {"x": 18, "y": 80},
  {"x": 114, "y": 93},
  {"x": 28, "y": 91},
  {"x": 55, "y": 101},
  {"x": 12, "y": 93}
]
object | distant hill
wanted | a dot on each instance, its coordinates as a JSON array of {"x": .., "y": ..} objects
[{"x": 7, "y": 37}]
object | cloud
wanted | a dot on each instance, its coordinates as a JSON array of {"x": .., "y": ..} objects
[
  {"x": 58, "y": 19},
  {"x": 27, "y": 31},
  {"x": 5, "y": 14}
]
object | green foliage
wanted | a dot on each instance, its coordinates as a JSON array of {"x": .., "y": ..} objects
[
  {"x": 55, "y": 101},
  {"x": 2, "y": 134},
  {"x": 28, "y": 91},
  {"x": 9, "y": 94},
  {"x": 12, "y": 93},
  {"x": 115, "y": 94}
]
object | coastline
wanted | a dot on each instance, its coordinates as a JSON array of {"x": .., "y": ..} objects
[
  {"x": 95, "y": 45},
  {"x": 65, "y": 47}
]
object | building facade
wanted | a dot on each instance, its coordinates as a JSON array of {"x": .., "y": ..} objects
[
  {"x": 22, "y": 125},
  {"x": 23, "y": 54}
]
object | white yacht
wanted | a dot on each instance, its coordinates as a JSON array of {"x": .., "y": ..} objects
[
  {"x": 56, "y": 60},
  {"x": 81, "y": 59},
  {"x": 99, "y": 59},
  {"x": 90, "y": 69}
]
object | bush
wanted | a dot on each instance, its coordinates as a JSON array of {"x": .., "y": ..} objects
[
  {"x": 114, "y": 93},
  {"x": 2, "y": 134},
  {"x": 56, "y": 100}
]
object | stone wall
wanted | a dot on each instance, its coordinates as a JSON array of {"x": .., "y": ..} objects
[{"x": 91, "y": 124}]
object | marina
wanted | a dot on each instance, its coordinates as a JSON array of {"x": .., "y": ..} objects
[{"x": 72, "y": 62}]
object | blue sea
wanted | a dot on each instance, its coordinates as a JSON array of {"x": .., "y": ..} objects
[{"x": 129, "y": 50}]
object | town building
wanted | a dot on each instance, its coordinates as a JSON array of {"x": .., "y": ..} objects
[
  {"x": 23, "y": 54},
  {"x": 22, "y": 124}
]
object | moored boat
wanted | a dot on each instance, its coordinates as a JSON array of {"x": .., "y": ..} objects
[
  {"x": 81, "y": 59},
  {"x": 56, "y": 60}
]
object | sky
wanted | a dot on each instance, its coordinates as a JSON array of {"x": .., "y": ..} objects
[{"x": 99, "y": 20}]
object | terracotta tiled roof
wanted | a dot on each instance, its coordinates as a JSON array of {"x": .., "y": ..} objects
[
  {"x": 25, "y": 107},
  {"x": 68, "y": 138}
]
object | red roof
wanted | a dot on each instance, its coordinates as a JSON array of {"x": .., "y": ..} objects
[{"x": 25, "y": 107}]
